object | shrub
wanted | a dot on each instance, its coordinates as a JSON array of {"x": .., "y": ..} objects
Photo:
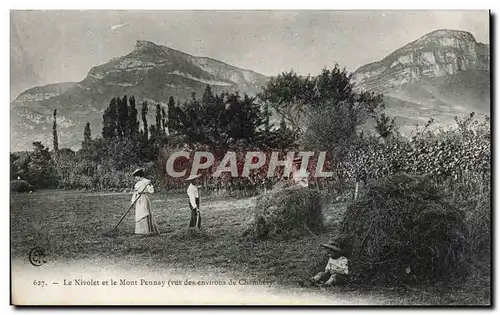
[
  {"x": 456, "y": 153},
  {"x": 286, "y": 212},
  {"x": 21, "y": 186},
  {"x": 403, "y": 230}
]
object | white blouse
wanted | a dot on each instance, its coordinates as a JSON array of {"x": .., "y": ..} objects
[
  {"x": 192, "y": 192},
  {"x": 338, "y": 266}
]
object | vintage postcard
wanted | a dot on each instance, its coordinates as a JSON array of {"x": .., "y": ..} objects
[{"x": 250, "y": 158}]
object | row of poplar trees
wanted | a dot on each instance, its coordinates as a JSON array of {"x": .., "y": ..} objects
[{"x": 120, "y": 120}]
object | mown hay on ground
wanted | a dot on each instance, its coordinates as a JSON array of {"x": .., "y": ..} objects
[
  {"x": 402, "y": 231},
  {"x": 188, "y": 234},
  {"x": 288, "y": 212}
]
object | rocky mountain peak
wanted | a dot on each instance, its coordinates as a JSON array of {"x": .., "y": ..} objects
[
  {"x": 150, "y": 72},
  {"x": 441, "y": 34},
  {"x": 144, "y": 45},
  {"x": 439, "y": 53},
  {"x": 148, "y": 48}
]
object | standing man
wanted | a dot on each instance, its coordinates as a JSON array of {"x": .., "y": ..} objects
[
  {"x": 194, "y": 201},
  {"x": 299, "y": 177}
]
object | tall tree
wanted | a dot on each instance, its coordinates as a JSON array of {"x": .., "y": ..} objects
[
  {"x": 41, "y": 172},
  {"x": 54, "y": 133},
  {"x": 170, "y": 115},
  {"x": 123, "y": 119},
  {"x": 87, "y": 137},
  {"x": 144, "y": 113},
  {"x": 158, "y": 118},
  {"x": 289, "y": 95},
  {"x": 245, "y": 117},
  {"x": 230, "y": 121},
  {"x": 157, "y": 131},
  {"x": 266, "y": 116},
  {"x": 324, "y": 111},
  {"x": 110, "y": 120},
  {"x": 333, "y": 118},
  {"x": 164, "y": 121},
  {"x": 106, "y": 124},
  {"x": 153, "y": 134},
  {"x": 133, "y": 123},
  {"x": 296, "y": 98},
  {"x": 208, "y": 96}
]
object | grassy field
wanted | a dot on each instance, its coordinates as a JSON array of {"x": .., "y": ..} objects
[{"x": 73, "y": 226}]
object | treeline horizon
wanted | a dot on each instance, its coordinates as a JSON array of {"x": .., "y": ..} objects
[{"x": 320, "y": 113}]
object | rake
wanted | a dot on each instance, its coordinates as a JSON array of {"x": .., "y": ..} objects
[{"x": 126, "y": 212}]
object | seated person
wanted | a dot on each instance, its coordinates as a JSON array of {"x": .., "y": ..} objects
[
  {"x": 300, "y": 177},
  {"x": 336, "y": 270}
]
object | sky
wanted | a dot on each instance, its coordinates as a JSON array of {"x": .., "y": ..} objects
[{"x": 62, "y": 46}]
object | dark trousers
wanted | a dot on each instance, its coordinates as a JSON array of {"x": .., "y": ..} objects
[{"x": 195, "y": 215}]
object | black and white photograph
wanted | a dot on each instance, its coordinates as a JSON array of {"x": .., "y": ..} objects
[{"x": 250, "y": 157}]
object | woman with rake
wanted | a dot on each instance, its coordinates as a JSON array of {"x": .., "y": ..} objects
[{"x": 144, "y": 220}]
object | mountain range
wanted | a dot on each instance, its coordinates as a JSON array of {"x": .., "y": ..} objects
[
  {"x": 440, "y": 75},
  {"x": 443, "y": 74},
  {"x": 150, "y": 72}
]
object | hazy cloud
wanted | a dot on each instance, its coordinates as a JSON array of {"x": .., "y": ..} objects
[{"x": 117, "y": 26}]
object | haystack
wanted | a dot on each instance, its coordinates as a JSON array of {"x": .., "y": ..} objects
[
  {"x": 20, "y": 185},
  {"x": 289, "y": 212},
  {"x": 403, "y": 231}
]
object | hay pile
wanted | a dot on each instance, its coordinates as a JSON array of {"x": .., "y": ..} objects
[
  {"x": 478, "y": 221},
  {"x": 20, "y": 185},
  {"x": 402, "y": 231},
  {"x": 289, "y": 212}
]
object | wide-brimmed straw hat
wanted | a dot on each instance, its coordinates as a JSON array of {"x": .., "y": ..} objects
[
  {"x": 333, "y": 247},
  {"x": 191, "y": 177},
  {"x": 138, "y": 172}
]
